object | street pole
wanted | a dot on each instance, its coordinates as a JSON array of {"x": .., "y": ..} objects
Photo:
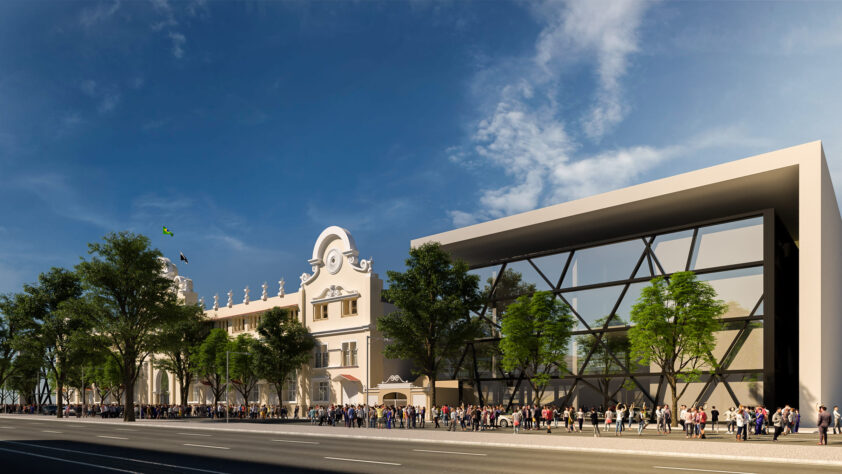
[{"x": 367, "y": 366}]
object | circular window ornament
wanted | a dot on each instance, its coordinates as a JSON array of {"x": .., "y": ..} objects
[{"x": 334, "y": 261}]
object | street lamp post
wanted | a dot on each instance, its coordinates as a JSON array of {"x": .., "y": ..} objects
[{"x": 228, "y": 382}]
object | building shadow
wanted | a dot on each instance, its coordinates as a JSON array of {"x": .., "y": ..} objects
[{"x": 50, "y": 456}]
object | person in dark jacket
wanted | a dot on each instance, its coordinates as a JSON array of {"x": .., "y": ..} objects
[
  {"x": 595, "y": 422},
  {"x": 823, "y": 424}
]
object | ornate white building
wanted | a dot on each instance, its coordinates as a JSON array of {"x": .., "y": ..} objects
[{"x": 339, "y": 302}]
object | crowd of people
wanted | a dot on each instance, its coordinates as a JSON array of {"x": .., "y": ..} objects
[{"x": 742, "y": 422}]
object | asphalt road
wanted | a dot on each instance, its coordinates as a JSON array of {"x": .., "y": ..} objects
[{"x": 47, "y": 445}]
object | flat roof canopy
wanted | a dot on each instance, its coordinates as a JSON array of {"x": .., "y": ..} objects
[{"x": 764, "y": 181}]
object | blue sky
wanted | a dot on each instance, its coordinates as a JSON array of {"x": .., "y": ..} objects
[{"x": 249, "y": 127}]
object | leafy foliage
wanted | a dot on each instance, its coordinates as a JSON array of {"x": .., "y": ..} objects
[
  {"x": 602, "y": 362},
  {"x": 285, "y": 346},
  {"x": 130, "y": 302},
  {"x": 536, "y": 333},
  {"x": 243, "y": 364},
  {"x": 210, "y": 362},
  {"x": 434, "y": 298},
  {"x": 674, "y": 322},
  {"x": 179, "y": 341}
]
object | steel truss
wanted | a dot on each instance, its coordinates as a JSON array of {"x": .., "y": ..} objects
[{"x": 655, "y": 267}]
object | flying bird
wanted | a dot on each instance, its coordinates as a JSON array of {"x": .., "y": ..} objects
[
  {"x": 167, "y": 232},
  {"x": 182, "y": 257}
]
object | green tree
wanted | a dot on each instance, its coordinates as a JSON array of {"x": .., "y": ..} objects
[
  {"x": 601, "y": 362},
  {"x": 58, "y": 326},
  {"x": 105, "y": 378},
  {"x": 285, "y": 346},
  {"x": 11, "y": 324},
  {"x": 179, "y": 342},
  {"x": 210, "y": 362},
  {"x": 132, "y": 301},
  {"x": 434, "y": 298},
  {"x": 535, "y": 336},
  {"x": 674, "y": 322},
  {"x": 243, "y": 365}
]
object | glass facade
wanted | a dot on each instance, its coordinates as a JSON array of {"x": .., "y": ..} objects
[{"x": 602, "y": 283}]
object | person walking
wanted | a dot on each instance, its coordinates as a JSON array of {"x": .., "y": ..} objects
[
  {"x": 595, "y": 422},
  {"x": 516, "y": 420},
  {"x": 714, "y": 419},
  {"x": 823, "y": 424},
  {"x": 740, "y": 422},
  {"x": 837, "y": 420},
  {"x": 580, "y": 418},
  {"x": 777, "y": 422}
]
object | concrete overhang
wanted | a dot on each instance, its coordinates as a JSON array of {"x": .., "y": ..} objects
[{"x": 770, "y": 180}]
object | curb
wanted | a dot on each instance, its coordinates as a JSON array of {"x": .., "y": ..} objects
[{"x": 631, "y": 452}]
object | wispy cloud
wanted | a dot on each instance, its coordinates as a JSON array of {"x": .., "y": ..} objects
[
  {"x": 107, "y": 97},
  {"x": 525, "y": 132},
  {"x": 64, "y": 200},
  {"x": 178, "y": 41},
  {"x": 99, "y": 13}
]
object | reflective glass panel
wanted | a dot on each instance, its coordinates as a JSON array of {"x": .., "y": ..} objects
[
  {"x": 739, "y": 289},
  {"x": 551, "y": 265},
  {"x": 729, "y": 243},
  {"x": 672, "y": 250},
  {"x": 593, "y": 305},
  {"x": 604, "y": 263}
]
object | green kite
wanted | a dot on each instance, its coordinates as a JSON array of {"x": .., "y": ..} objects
[{"x": 167, "y": 231}]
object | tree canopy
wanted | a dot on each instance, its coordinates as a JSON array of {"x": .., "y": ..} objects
[
  {"x": 674, "y": 322},
  {"x": 536, "y": 334},
  {"x": 434, "y": 298},
  {"x": 131, "y": 302},
  {"x": 285, "y": 346},
  {"x": 210, "y": 362},
  {"x": 178, "y": 343}
]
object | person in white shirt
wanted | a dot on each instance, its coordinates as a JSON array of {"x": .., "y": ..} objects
[{"x": 837, "y": 420}]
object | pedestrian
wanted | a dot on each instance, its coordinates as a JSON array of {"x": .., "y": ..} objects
[
  {"x": 837, "y": 420},
  {"x": 740, "y": 422},
  {"x": 777, "y": 422},
  {"x": 823, "y": 424},
  {"x": 516, "y": 420},
  {"x": 714, "y": 419},
  {"x": 595, "y": 422}
]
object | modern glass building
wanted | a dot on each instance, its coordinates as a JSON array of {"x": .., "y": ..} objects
[{"x": 763, "y": 231}]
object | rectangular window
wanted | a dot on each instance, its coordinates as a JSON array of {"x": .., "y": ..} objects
[
  {"x": 320, "y": 312},
  {"x": 322, "y": 392},
  {"x": 322, "y": 357},
  {"x": 349, "y": 354},
  {"x": 349, "y": 307},
  {"x": 290, "y": 389}
]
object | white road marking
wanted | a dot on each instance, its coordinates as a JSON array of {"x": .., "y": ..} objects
[
  {"x": 206, "y": 446},
  {"x": 7, "y": 427},
  {"x": 51, "y": 431},
  {"x": 110, "y": 437},
  {"x": 363, "y": 460},
  {"x": 193, "y": 434},
  {"x": 448, "y": 452},
  {"x": 700, "y": 470},
  {"x": 65, "y": 460},
  {"x": 115, "y": 457},
  {"x": 293, "y": 441},
  {"x": 124, "y": 429}
]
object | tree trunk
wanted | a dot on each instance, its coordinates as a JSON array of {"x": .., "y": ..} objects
[
  {"x": 675, "y": 413},
  {"x": 128, "y": 408},
  {"x": 432, "y": 378},
  {"x": 185, "y": 389},
  {"x": 60, "y": 401}
]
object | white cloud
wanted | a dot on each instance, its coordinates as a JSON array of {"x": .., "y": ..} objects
[
  {"x": 100, "y": 13},
  {"x": 525, "y": 133},
  {"x": 178, "y": 41},
  {"x": 605, "y": 30},
  {"x": 63, "y": 200}
]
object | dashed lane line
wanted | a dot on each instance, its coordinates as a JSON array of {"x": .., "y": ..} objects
[
  {"x": 193, "y": 434},
  {"x": 51, "y": 431},
  {"x": 294, "y": 441},
  {"x": 363, "y": 460},
  {"x": 448, "y": 452},
  {"x": 699, "y": 470},
  {"x": 205, "y": 446},
  {"x": 110, "y": 437},
  {"x": 98, "y": 466},
  {"x": 108, "y": 456}
]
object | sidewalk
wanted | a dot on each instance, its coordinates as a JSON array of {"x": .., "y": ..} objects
[{"x": 608, "y": 444}]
